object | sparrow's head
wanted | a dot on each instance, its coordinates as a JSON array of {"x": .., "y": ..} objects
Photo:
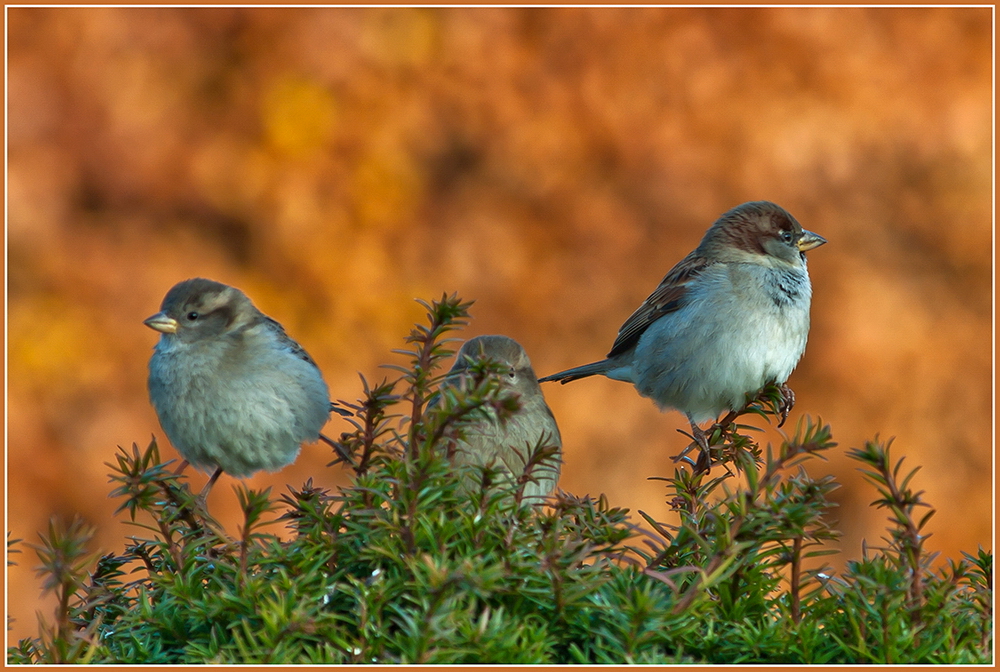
[
  {"x": 517, "y": 367},
  {"x": 759, "y": 232},
  {"x": 198, "y": 309}
]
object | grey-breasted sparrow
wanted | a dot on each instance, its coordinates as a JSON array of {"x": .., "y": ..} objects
[
  {"x": 232, "y": 390},
  {"x": 728, "y": 319},
  {"x": 508, "y": 443}
]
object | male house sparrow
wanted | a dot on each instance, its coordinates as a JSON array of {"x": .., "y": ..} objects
[
  {"x": 729, "y": 318},
  {"x": 509, "y": 442},
  {"x": 233, "y": 392}
]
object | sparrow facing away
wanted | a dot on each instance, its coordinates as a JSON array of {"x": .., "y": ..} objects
[
  {"x": 509, "y": 442},
  {"x": 232, "y": 390},
  {"x": 729, "y": 318}
]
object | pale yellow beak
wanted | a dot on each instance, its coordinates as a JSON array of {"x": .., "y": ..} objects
[
  {"x": 160, "y": 322},
  {"x": 810, "y": 240}
]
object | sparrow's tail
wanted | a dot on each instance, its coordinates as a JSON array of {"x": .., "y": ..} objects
[{"x": 578, "y": 372}]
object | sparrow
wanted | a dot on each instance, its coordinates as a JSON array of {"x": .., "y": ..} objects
[
  {"x": 232, "y": 390},
  {"x": 729, "y": 318},
  {"x": 509, "y": 442}
]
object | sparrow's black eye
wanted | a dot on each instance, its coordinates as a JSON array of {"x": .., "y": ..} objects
[
  {"x": 192, "y": 316},
  {"x": 787, "y": 236},
  {"x": 512, "y": 374}
]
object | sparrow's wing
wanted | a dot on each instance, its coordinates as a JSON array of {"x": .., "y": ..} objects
[
  {"x": 666, "y": 298},
  {"x": 286, "y": 340}
]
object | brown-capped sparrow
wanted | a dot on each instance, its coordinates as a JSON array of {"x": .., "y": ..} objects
[
  {"x": 508, "y": 443},
  {"x": 728, "y": 319},
  {"x": 232, "y": 390}
]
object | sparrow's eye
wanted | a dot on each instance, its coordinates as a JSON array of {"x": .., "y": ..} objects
[
  {"x": 192, "y": 316},
  {"x": 787, "y": 236},
  {"x": 512, "y": 374}
]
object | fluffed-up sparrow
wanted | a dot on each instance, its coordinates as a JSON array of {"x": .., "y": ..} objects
[
  {"x": 232, "y": 390},
  {"x": 729, "y": 318},
  {"x": 509, "y": 442}
]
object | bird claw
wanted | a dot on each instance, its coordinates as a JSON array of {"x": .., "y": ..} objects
[
  {"x": 700, "y": 437},
  {"x": 704, "y": 461},
  {"x": 787, "y": 402}
]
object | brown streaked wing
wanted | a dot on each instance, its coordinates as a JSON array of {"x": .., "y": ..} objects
[
  {"x": 287, "y": 340},
  {"x": 666, "y": 298}
]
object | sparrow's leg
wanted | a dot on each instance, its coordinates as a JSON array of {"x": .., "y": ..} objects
[
  {"x": 701, "y": 440},
  {"x": 181, "y": 468},
  {"x": 787, "y": 402},
  {"x": 699, "y": 435},
  {"x": 203, "y": 495}
]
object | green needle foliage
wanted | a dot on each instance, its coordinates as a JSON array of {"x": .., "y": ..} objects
[{"x": 422, "y": 561}]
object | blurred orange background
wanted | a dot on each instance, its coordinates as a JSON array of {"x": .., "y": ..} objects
[{"x": 551, "y": 164}]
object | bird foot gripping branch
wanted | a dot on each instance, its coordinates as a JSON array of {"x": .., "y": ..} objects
[{"x": 721, "y": 442}]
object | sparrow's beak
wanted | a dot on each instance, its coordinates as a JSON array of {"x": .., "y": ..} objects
[
  {"x": 160, "y": 322},
  {"x": 810, "y": 240}
]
